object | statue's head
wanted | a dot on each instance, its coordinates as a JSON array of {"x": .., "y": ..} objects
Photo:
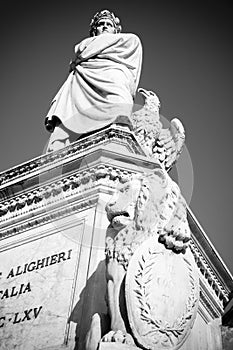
[{"x": 104, "y": 22}]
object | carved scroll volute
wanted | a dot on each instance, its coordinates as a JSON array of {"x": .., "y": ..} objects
[{"x": 162, "y": 293}]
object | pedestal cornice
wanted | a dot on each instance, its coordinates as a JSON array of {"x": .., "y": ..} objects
[{"x": 118, "y": 135}]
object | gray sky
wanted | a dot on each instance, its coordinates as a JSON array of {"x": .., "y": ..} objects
[{"x": 187, "y": 61}]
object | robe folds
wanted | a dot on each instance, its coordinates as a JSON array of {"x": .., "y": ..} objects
[{"x": 102, "y": 85}]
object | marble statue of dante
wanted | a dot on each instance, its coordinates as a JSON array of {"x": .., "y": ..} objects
[{"x": 101, "y": 85}]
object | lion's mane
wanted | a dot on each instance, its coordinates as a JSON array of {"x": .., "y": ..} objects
[{"x": 160, "y": 211}]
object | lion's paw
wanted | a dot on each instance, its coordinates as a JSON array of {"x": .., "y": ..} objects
[{"x": 118, "y": 337}]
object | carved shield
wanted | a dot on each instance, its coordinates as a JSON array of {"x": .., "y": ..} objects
[{"x": 162, "y": 292}]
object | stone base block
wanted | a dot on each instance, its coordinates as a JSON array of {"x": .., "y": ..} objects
[{"x": 116, "y": 346}]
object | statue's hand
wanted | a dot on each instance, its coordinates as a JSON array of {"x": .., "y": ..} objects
[
  {"x": 72, "y": 66},
  {"x": 118, "y": 337}
]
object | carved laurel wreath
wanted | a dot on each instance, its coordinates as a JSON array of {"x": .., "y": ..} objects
[{"x": 142, "y": 278}]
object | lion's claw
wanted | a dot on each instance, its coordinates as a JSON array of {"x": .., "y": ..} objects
[{"x": 118, "y": 337}]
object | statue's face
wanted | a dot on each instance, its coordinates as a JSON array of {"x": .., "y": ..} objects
[{"x": 105, "y": 26}]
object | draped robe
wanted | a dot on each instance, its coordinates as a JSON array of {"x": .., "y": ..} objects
[{"x": 101, "y": 87}]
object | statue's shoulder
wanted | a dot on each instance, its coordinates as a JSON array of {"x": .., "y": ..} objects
[
  {"x": 129, "y": 39},
  {"x": 129, "y": 36},
  {"x": 83, "y": 43}
]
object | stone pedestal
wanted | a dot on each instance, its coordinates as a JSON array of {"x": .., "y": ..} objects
[
  {"x": 52, "y": 240},
  {"x": 52, "y": 246}
]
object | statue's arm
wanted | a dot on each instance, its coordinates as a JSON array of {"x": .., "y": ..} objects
[
  {"x": 124, "y": 47},
  {"x": 78, "y": 49}
]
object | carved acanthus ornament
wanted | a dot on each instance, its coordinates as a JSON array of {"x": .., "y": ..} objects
[
  {"x": 45, "y": 196},
  {"x": 47, "y": 217},
  {"x": 213, "y": 283}
]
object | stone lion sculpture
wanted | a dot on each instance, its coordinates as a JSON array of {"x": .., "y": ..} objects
[{"x": 147, "y": 205}]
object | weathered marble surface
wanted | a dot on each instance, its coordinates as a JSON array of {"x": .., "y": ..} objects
[
  {"x": 43, "y": 283},
  {"x": 69, "y": 214}
]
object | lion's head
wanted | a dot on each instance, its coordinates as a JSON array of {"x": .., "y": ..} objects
[{"x": 150, "y": 204}]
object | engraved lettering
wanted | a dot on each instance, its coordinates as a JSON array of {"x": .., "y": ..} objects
[
  {"x": 5, "y": 294},
  {"x": 47, "y": 260},
  {"x": 40, "y": 264},
  {"x": 26, "y": 313},
  {"x": 61, "y": 256},
  {"x": 18, "y": 272},
  {"x": 13, "y": 293},
  {"x": 25, "y": 268},
  {"x": 21, "y": 288},
  {"x": 27, "y": 288},
  {"x": 18, "y": 317},
  {"x": 11, "y": 273},
  {"x": 37, "y": 311},
  {"x": 69, "y": 254},
  {"x": 53, "y": 259},
  {"x": 15, "y": 290},
  {"x": 16, "y": 320},
  {"x": 31, "y": 266}
]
